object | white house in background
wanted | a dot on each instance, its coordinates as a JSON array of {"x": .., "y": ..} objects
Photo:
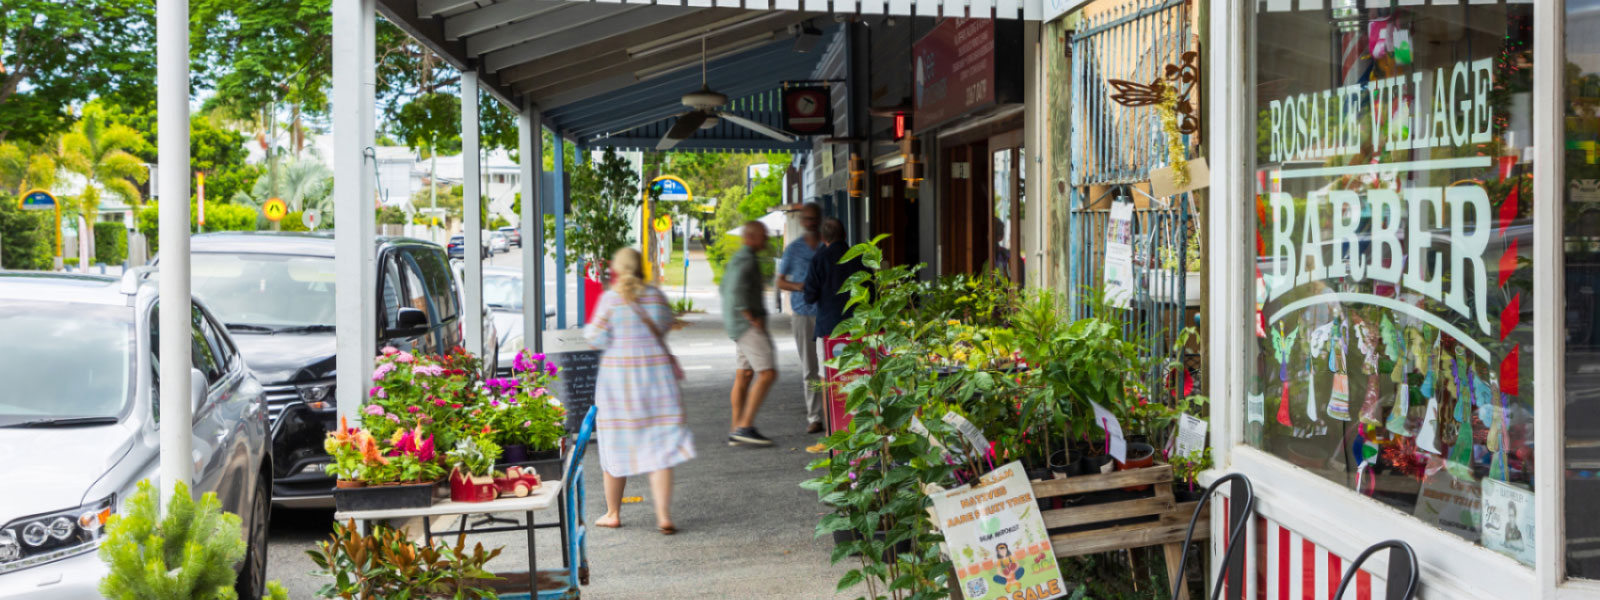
[
  {"x": 500, "y": 184},
  {"x": 396, "y": 182}
]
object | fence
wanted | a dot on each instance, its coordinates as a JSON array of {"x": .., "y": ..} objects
[{"x": 1114, "y": 148}]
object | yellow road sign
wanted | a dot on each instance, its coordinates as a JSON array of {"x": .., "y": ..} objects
[
  {"x": 664, "y": 223},
  {"x": 274, "y": 209}
]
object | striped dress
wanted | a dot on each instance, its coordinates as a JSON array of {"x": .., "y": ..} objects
[{"x": 639, "y": 418}]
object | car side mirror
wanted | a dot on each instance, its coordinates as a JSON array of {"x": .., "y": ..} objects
[
  {"x": 197, "y": 390},
  {"x": 410, "y": 321}
]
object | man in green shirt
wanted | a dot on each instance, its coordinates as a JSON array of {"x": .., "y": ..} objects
[{"x": 745, "y": 317}]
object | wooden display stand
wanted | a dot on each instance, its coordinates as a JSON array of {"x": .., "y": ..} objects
[{"x": 1148, "y": 520}]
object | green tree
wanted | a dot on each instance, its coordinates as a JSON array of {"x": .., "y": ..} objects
[
  {"x": 189, "y": 552},
  {"x": 100, "y": 152},
  {"x": 56, "y": 54},
  {"x": 605, "y": 196},
  {"x": 259, "y": 55},
  {"x": 220, "y": 153},
  {"x": 765, "y": 194},
  {"x": 24, "y": 167},
  {"x": 26, "y": 241},
  {"x": 303, "y": 183},
  {"x": 110, "y": 243},
  {"x": 431, "y": 122}
]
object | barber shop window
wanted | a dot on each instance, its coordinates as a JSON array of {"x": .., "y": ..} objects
[
  {"x": 1393, "y": 338},
  {"x": 1581, "y": 243}
]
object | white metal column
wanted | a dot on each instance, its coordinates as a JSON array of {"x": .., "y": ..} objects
[
  {"x": 1034, "y": 144},
  {"x": 530, "y": 140},
  {"x": 471, "y": 205},
  {"x": 172, "y": 110},
  {"x": 354, "y": 219}
]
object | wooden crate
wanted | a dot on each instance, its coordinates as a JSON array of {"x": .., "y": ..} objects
[{"x": 1103, "y": 527}]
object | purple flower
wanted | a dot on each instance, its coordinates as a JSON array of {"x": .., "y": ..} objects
[
  {"x": 375, "y": 410},
  {"x": 550, "y": 369},
  {"x": 539, "y": 357},
  {"x": 377, "y": 391},
  {"x": 520, "y": 363},
  {"x": 494, "y": 403},
  {"x": 501, "y": 385},
  {"x": 383, "y": 369}
]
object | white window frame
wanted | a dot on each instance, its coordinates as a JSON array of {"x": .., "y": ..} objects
[{"x": 1329, "y": 514}]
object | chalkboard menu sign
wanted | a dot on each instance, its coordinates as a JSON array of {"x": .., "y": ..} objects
[{"x": 575, "y": 381}]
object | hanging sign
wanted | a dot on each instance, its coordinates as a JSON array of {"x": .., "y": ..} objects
[
  {"x": 955, "y": 69},
  {"x": 37, "y": 200},
  {"x": 997, "y": 538},
  {"x": 274, "y": 209},
  {"x": 808, "y": 110},
  {"x": 1119, "y": 254},
  {"x": 669, "y": 188}
]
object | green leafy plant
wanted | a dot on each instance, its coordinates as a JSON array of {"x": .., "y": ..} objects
[
  {"x": 187, "y": 553},
  {"x": 474, "y": 456},
  {"x": 387, "y": 564},
  {"x": 605, "y": 196}
]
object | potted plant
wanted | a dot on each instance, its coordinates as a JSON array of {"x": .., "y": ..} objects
[
  {"x": 399, "y": 473},
  {"x": 472, "y": 470},
  {"x": 605, "y": 195},
  {"x": 387, "y": 564}
]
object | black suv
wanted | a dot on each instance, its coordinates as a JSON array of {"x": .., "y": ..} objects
[{"x": 275, "y": 294}]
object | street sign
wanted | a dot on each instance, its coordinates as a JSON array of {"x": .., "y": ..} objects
[
  {"x": 807, "y": 110},
  {"x": 311, "y": 218},
  {"x": 274, "y": 209},
  {"x": 670, "y": 188},
  {"x": 664, "y": 223},
  {"x": 37, "y": 200}
]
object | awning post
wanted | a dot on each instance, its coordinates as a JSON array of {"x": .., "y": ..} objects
[
  {"x": 529, "y": 143},
  {"x": 472, "y": 209},
  {"x": 561, "y": 232},
  {"x": 352, "y": 110},
  {"x": 172, "y": 108}
]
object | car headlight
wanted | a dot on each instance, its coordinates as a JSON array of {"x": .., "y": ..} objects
[
  {"x": 47, "y": 538},
  {"x": 316, "y": 392}
]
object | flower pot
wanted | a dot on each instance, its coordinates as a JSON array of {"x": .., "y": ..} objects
[
  {"x": 1140, "y": 455},
  {"x": 1094, "y": 465},
  {"x": 513, "y": 453},
  {"x": 1182, "y": 494},
  {"x": 384, "y": 497},
  {"x": 346, "y": 484},
  {"x": 468, "y": 488},
  {"x": 1064, "y": 464},
  {"x": 549, "y": 464}
]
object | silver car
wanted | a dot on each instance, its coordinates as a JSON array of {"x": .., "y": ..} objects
[
  {"x": 79, "y": 426},
  {"x": 502, "y": 292}
]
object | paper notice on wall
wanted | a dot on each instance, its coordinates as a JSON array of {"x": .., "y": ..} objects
[
  {"x": 1255, "y": 409},
  {"x": 1119, "y": 254},
  {"x": 1164, "y": 181},
  {"x": 1191, "y": 436},
  {"x": 997, "y": 539},
  {"x": 1508, "y": 519},
  {"x": 968, "y": 430},
  {"x": 1448, "y": 502},
  {"x": 1116, "y": 446}
]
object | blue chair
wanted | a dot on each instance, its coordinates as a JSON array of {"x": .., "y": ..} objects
[
  {"x": 1402, "y": 579},
  {"x": 1243, "y": 510},
  {"x": 575, "y": 532}
]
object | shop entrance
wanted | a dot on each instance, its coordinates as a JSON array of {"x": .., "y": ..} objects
[
  {"x": 980, "y": 177},
  {"x": 895, "y": 214}
]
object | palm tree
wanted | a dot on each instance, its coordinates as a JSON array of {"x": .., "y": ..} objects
[
  {"x": 302, "y": 184},
  {"x": 99, "y": 151},
  {"x": 21, "y": 170}
]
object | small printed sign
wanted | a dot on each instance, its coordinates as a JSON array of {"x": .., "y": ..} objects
[
  {"x": 311, "y": 219},
  {"x": 1116, "y": 445},
  {"x": 997, "y": 538},
  {"x": 274, "y": 209},
  {"x": 1508, "y": 519},
  {"x": 1119, "y": 254},
  {"x": 808, "y": 110}
]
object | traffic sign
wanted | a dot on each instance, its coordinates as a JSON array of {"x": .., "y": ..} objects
[
  {"x": 311, "y": 218},
  {"x": 670, "y": 188},
  {"x": 274, "y": 209},
  {"x": 37, "y": 200},
  {"x": 664, "y": 223}
]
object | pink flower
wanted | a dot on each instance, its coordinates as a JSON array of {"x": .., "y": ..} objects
[
  {"x": 540, "y": 393},
  {"x": 494, "y": 403},
  {"x": 550, "y": 369},
  {"x": 377, "y": 391},
  {"x": 383, "y": 369},
  {"x": 390, "y": 350},
  {"x": 405, "y": 357},
  {"x": 412, "y": 409},
  {"x": 520, "y": 363},
  {"x": 425, "y": 453},
  {"x": 429, "y": 370},
  {"x": 375, "y": 410},
  {"x": 439, "y": 402},
  {"x": 456, "y": 405},
  {"x": 539, "y": 356},
  {"x": 527, "y": 424},
  {"x": 393, "y": 418},
  {"x": 476, "y": 412}
]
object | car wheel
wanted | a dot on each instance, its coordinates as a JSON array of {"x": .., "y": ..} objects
[{"x": 252, "y": 583}]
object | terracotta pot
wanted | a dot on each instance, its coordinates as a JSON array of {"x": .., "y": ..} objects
[
  {"x": 345, "y": 484},
  {"x": 1140, "y": 455}
]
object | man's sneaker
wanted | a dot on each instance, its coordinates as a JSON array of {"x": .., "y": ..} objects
[
  {"x": 749, "y": 435},
  {"x": 815, "y": 427},
  {"x": 731, "y": 441}
]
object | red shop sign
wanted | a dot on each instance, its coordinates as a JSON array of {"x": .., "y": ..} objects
[{"x": 808, "y": 110}]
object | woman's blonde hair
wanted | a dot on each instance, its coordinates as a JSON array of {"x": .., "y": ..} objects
[{"x": 628, "y": 266}]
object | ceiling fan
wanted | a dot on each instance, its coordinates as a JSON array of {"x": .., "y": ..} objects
[{"x": 705, "y": 113}]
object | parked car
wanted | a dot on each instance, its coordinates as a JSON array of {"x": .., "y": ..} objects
[
  {"x": 498, "y": 243},
  {"x": 491, "y": 341},
  {"x": 513, "y": 234},
  {"x": 457, "y": 248},
  {"x": 502, "y": 291},
  {"x": 275, "y": 292},
  {"x": 80, "y": 426}
]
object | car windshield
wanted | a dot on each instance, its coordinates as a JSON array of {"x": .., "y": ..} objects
[
  {"x": 502, "y": 291},
  {"x": 273, "y": 291},
  {"x": 65, "y": 360}
]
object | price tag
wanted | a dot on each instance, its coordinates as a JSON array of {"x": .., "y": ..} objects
[
  {"x": 1191, "y": 435},
  {"x": 1117, "y": 447},
  {"x": 968, "y": 430}
]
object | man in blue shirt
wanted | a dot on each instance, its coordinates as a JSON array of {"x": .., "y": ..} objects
[{"x": 792, "y": 272}]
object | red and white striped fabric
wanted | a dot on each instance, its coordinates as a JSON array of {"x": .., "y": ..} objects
[{"x": 1291, "y": 567}]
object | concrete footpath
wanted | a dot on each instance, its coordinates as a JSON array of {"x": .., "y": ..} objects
[{"x": 745, "y": 526}]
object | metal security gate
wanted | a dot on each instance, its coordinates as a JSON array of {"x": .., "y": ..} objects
[{"x": 1114, "y": 148}]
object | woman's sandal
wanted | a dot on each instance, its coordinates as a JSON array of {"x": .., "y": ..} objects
[{"x": 668, "y": 530}]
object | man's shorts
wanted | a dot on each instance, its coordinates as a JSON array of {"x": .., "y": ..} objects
[{"x": 756, "y": 352}]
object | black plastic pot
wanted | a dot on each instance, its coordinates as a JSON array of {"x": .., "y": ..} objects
[
  {"x": 384, "y": 497},
  {"x": 513, "y": 453},
  {"x": 1181, "y": 493},
  {"x": 1065, "y": 464},
  {"x": 1092, "y": 465},
  {"x": 547, "y": 463}
]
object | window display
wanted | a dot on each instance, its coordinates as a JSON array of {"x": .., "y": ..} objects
[
  {"x": 1393, "y": 221},
  {"x": 1581, "y": 242}
]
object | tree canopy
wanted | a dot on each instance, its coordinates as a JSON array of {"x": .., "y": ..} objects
[{"x": 54, "y": 55}]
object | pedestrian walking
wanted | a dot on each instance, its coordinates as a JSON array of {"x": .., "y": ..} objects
[
  {"x": 639, "y": 418},
  {"x": 792, "y": 272},
  {"x": 825, "y": 283},
  {"x": 745, "y": 318}
]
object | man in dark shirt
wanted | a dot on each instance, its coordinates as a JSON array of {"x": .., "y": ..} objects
[{"x": 826, "y": 279}]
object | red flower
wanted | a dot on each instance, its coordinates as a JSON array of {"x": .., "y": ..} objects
[{"x": 456, "y": 405}]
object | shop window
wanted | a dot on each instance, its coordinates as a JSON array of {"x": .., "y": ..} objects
[
  {"x": 1393, "y": 219},
  {"x": 1582, "y": 252}
]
